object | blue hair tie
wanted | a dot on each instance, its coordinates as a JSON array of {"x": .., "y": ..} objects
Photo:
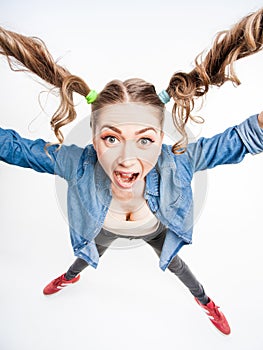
[{"x": 164, "y": 96}]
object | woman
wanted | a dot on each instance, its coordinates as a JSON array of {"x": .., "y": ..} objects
[{"x": 127, "y": 183}]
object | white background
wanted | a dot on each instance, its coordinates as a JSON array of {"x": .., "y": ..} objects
[{"x": 128, "y": 302}]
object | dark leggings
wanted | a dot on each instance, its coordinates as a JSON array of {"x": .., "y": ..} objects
[{"x": 156, "y": 240}]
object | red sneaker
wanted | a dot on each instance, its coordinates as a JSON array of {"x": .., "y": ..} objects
[
  {"x": 216, "y": 317},
  {"x": 59, "y": 283}
]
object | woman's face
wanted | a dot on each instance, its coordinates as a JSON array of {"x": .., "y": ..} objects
[{"x": 127, "y": 138}]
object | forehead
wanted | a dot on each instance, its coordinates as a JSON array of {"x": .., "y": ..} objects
[{"x": 128, "y": 113}]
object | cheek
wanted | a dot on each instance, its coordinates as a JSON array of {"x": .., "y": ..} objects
[
  {"x": 150, "y": 157},
  {"x": 107, "y": 157},
  {"x": 99, "y": 147}
]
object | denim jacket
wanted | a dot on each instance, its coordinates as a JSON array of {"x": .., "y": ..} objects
[{"x": 168, "y": 185}]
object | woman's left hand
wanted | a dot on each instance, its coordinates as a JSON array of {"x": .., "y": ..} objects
[{"x": 260, "y": 120}]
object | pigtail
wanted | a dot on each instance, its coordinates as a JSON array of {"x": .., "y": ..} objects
[
  {"x": 213, "y": 68},
  {"x": 31, "y": 54}
]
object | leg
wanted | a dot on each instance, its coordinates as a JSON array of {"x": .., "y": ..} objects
[
  {"x": 78, "y": 265},
  {"x": 103, "y": 241},
  {"x": 180, "y": 269}
]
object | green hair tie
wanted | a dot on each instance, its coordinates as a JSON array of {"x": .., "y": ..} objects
[{"x": 91, "y": 97}]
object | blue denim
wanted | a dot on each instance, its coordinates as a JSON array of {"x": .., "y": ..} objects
[{"x": 168, "y": 185}]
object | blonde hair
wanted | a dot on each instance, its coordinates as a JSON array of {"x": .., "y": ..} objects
[
  {"x": 131, "y": 90},
  {"x": 214, "y": 67}
]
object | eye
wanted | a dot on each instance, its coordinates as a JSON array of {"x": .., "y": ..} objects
[
  {"x": 110, "y": 139},
  {"x": 145, "y": 141}
]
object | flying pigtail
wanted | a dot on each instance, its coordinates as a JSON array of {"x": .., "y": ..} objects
[
  {"x": 31, "y": 54},
  {"x": 184, "y": 88},
  {"x": 214, "y": 67}
]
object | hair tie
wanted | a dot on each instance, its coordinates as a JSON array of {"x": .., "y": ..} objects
[
  {"x": 91, "y": 97},
  {"x": 164, "y": 96}
]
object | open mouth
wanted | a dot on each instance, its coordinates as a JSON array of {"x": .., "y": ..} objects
[{"x": 125, "y": 179}]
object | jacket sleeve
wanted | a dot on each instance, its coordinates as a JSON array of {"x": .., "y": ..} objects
[
  {"x": 229, "y": 147},
  {"x": 26, "y": 153}
]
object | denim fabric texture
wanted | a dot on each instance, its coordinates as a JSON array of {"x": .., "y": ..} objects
[{"x": 168, "y": 185}]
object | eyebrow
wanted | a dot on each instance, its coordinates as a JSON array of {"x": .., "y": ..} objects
[{"x": 119, "y": 131}]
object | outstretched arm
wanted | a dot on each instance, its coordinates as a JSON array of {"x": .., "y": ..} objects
[
  {"x": 229, "y": 147},
  {"x": 26, "y": 153}
]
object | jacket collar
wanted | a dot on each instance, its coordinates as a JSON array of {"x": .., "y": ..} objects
[
  {"x": 102, "y": 184},
  {"x": 165, "y": 163},
  {"x": 152, "y": 182}
]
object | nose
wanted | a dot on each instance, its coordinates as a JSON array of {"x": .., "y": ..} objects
[{"x": 127, "y": 156}]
